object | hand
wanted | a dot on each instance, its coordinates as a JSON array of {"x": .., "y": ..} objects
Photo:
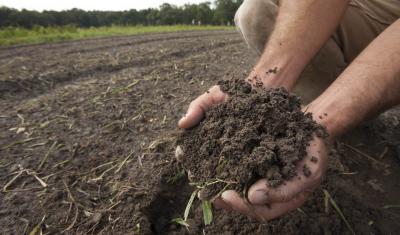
[
  {"x": 200, "y": 105},
  {"x": 265, "y": 203},
  {"x": 213, "y": 96}
]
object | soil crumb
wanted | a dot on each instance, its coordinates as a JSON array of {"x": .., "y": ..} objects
[{"x": 258, "y": 133}]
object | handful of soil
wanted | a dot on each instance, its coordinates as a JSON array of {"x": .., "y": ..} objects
[{"x": 258, "y": 133}]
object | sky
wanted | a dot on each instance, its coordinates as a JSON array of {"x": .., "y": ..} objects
[{"x": 106, "y": 5}]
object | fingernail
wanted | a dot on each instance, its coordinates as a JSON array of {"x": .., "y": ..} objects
[
  {"x": 224, "y": 196},
  {"x": 182, "y": 118},
  {"x": 259, "y": 197}
]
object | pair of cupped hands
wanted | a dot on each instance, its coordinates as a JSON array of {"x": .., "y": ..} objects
[{"x": 263, "y": 203}]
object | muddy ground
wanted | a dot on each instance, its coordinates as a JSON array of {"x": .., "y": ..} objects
[{"x": 86, "y": 135}]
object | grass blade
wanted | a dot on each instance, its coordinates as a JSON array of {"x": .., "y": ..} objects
[
  {"x": 391, "y": 206},
  {"x": 338, "y": 211},
  {"x": 181, "y": 222},
  {"x": 43, "y": 161},
  {"x": 38, "y": 228},
  {"x": 189, "y": 204},
  {"x": 207, "y": 212}
]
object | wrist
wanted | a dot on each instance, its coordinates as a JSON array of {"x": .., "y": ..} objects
[
  {"x": 276, "y": 70},
  {"x": 333, "y": 118}
]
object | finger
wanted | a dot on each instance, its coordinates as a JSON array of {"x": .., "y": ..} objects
[
  {"x": 275, "y": 210},
  {"x": 260, "y": 193},
  {"x": 264, "y": 212},
  {"x": 235, "y": 202},
  {"x": 200, "y": 105},
  {"x": 220, "y": 204}
]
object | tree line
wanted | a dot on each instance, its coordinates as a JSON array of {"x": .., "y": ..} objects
[{"x": 216, "y": 13}]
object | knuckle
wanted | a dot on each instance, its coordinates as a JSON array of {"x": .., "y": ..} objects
[
  {"x": 214, "y": 89},
  {"x": 317, "y": 174},
  {"x": 284, "y": 194},
  {"x": 303, "y": 195},
  {"x": 192, "y": 104}
]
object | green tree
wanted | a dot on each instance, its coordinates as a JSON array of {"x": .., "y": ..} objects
[
  {"x": 204, "y": 13},
  {"x": 225, "y": 10},
  {"x": 166, "y": 14}
]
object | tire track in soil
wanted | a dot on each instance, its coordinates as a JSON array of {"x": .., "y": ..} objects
[
  {"x": 28, "y": 57},
  {"x": 145, "y": 41},
  {"x": 112, "y": 42},
  {"x": 11, "y": 68},
  {"x": 150, "y": 71},
  {"x": 7, "y": 87}
]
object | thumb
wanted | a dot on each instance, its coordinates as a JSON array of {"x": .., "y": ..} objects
[
  {"x": 200, "y": 105},
  {"x": 193, "y": 116}
]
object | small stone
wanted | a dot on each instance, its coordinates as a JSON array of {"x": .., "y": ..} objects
[
  {"x": 96, "y": 217},
  {"x": 314, "y": 159},
  {"x": 20, "y": 130},
  {"x": 179, "y": 153}
]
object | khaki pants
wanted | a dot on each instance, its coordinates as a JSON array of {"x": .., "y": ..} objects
[{"x": 363, "y": 21}]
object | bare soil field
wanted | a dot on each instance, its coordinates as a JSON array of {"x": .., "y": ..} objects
[{"x": 88, "y": 131}]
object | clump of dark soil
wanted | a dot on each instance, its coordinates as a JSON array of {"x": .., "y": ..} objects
[{"x": 258, "y": 133}]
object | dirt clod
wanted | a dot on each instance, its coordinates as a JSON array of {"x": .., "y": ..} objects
[
  {"x": 314, "y": 159},
  {"x": 306, "y": 171}
]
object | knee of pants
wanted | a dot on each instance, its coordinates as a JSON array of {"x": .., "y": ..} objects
[{"x": 255, "y": 20}]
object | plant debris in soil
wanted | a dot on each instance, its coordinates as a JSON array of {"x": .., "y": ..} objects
[
  {"x": 111, "y": 169},
  {"x": 257, "y": 133}
]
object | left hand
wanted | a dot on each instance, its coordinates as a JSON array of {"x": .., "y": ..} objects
[{"x": 198, "y": 107}]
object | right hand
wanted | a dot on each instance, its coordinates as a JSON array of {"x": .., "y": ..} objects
[
  {"x": 265, "y": 203},
  {"x": 198, "y": 107}
]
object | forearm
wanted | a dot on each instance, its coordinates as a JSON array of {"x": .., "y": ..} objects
[
  {"x": 301, "y": 28},
  {"x": 369, "y": 85}
]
